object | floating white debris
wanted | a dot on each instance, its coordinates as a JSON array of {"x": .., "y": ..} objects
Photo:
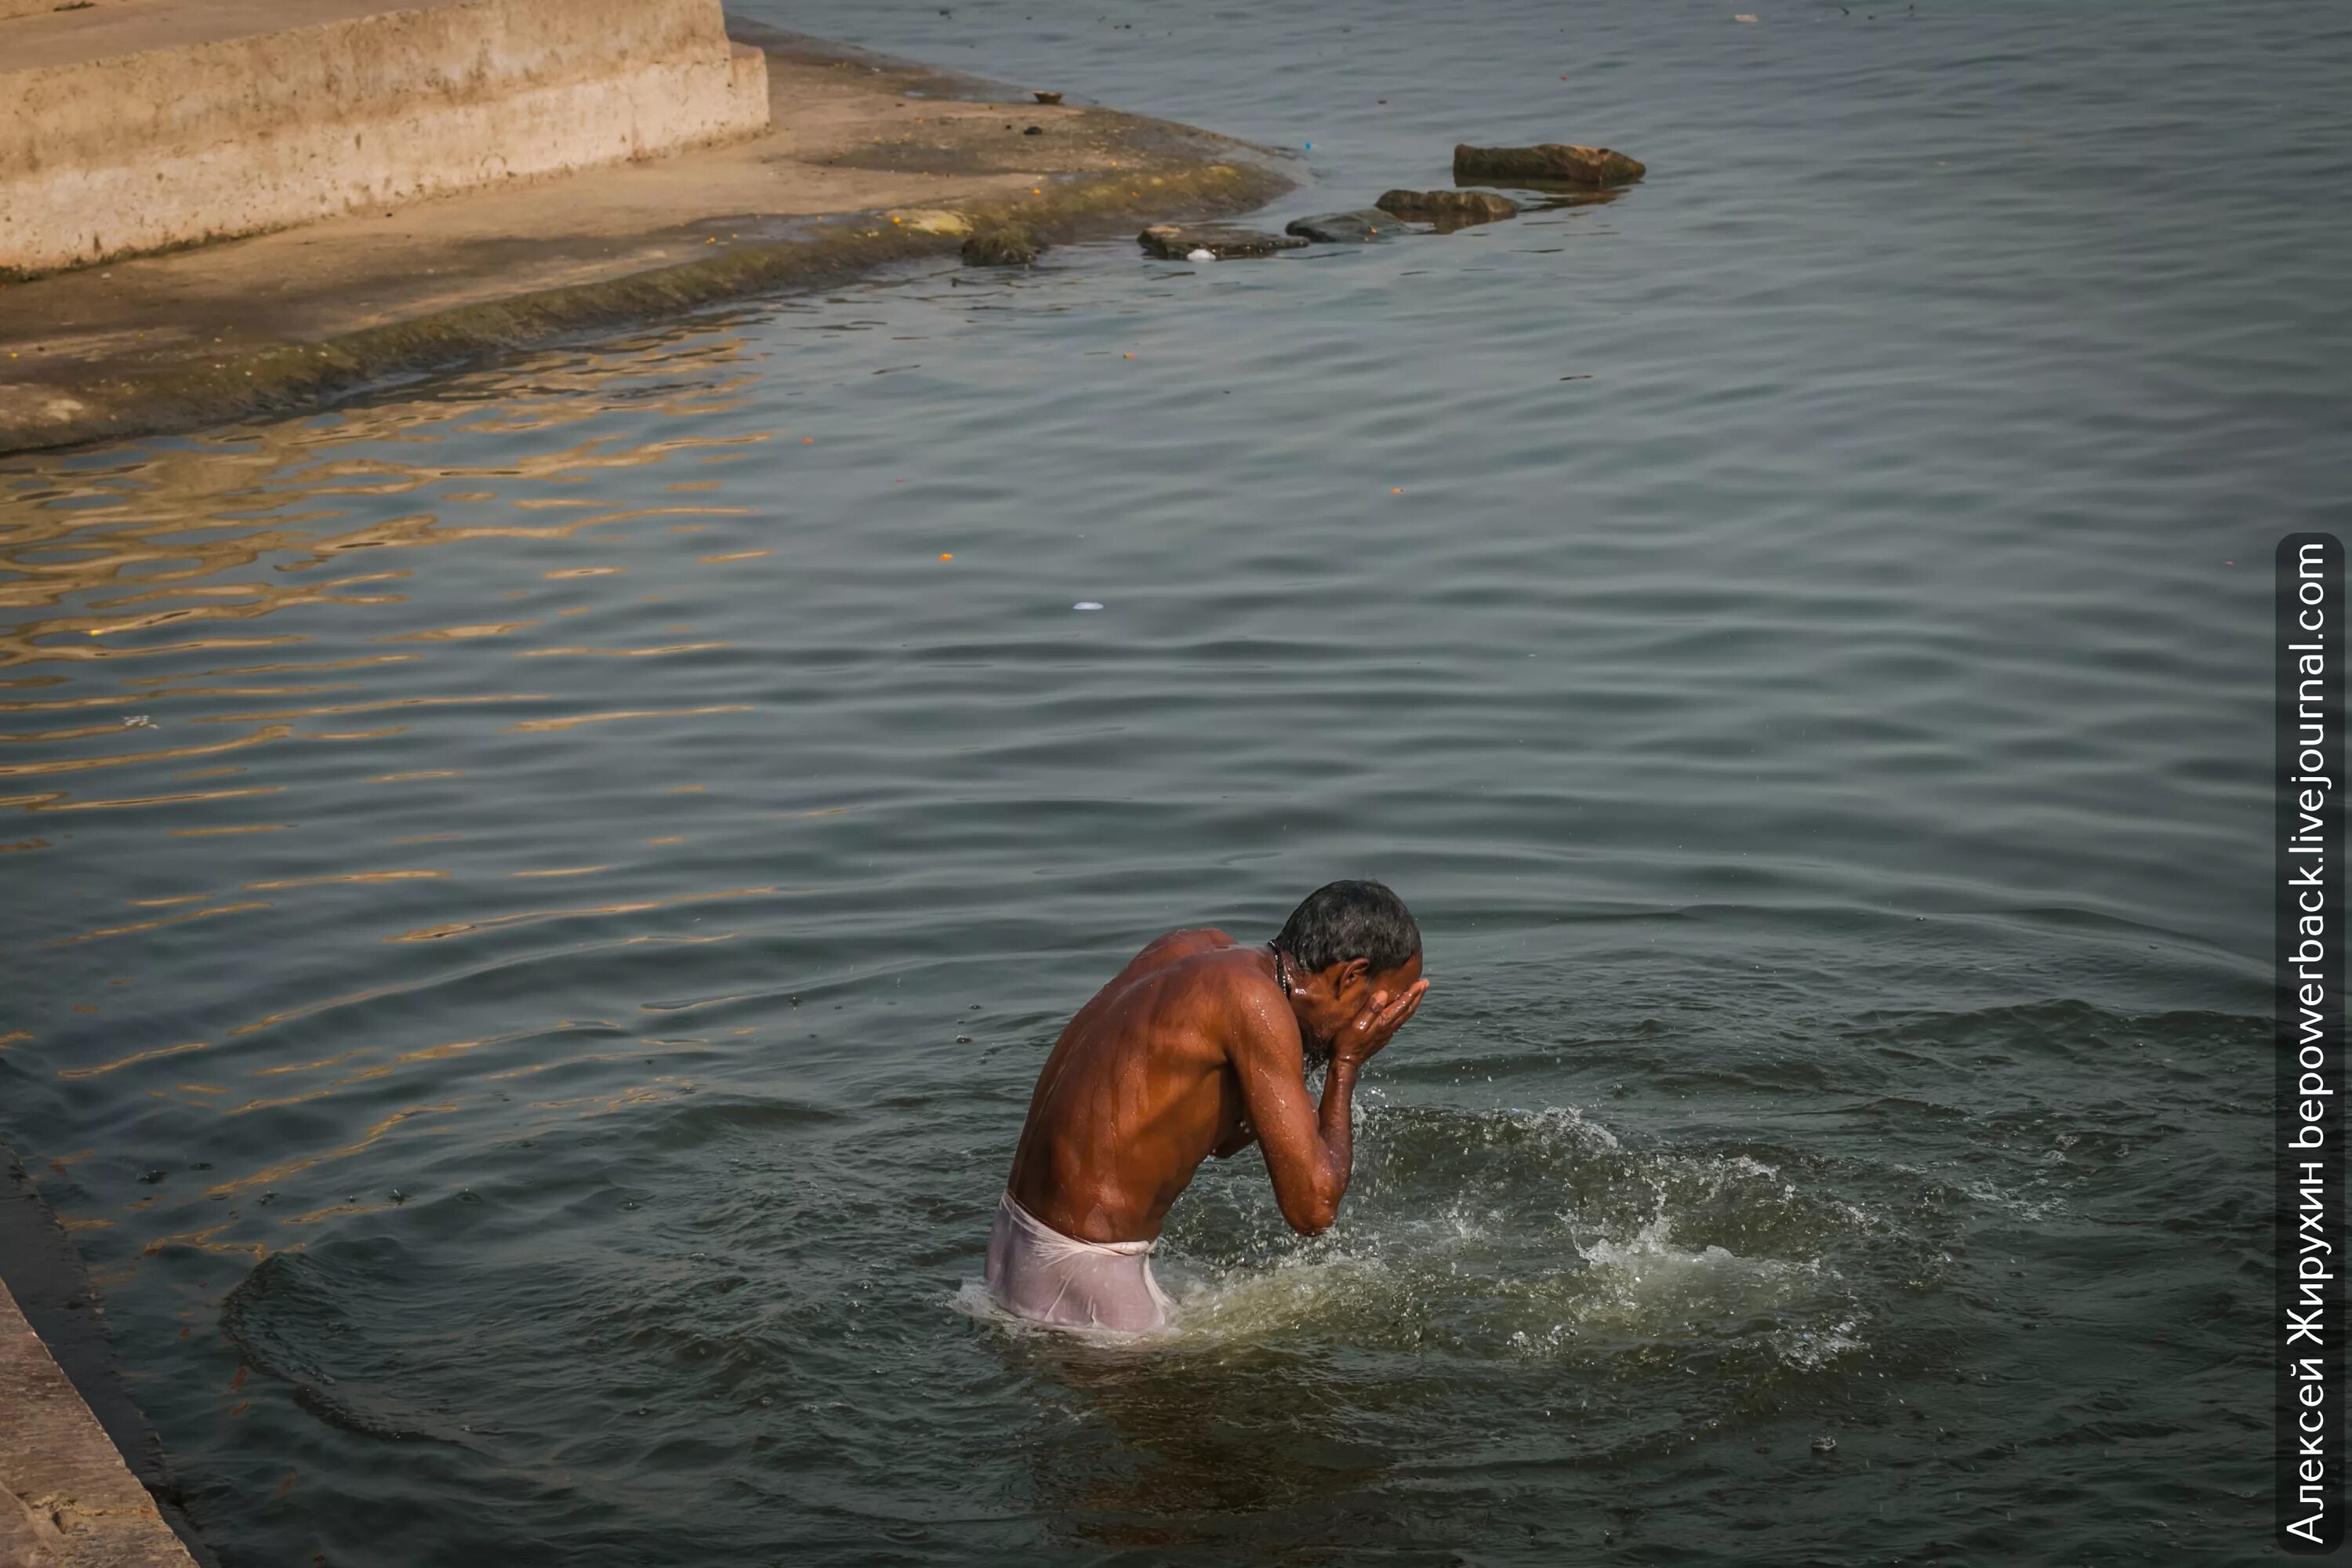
[
  {"x": 1204, "y": 253},
  {"x": 1085, "y": 605}
]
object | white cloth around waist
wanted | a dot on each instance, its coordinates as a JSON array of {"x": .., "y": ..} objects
[{"x": 1036, "y": 1272}]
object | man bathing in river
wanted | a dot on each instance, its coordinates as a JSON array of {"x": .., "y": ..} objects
[{"x": 1199, "y": 1047}]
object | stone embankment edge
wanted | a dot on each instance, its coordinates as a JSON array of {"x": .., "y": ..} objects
[
  {"x": 82, "y": 1477},
  {"x": 292, "y": 378}
]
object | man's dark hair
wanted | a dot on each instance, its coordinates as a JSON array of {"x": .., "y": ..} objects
[{"x": 1340, "y": 920}]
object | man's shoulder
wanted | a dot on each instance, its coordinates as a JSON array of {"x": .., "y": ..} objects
[
  {"x": 1204, "y": 971},
  {"x": 1189, "y": 942},
  {"x": 1205, "y": 956},
  {"x": 1229, "y": 987}
]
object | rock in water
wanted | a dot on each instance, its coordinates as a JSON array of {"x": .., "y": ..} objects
[
  {"x": 1001, "y": 248},
  {"x": 1337, "y": 228},
  {"x": 1176, "y": 242},
  {"x": 1552, "y": 161},
  {"x": 1448, "y": 209}
]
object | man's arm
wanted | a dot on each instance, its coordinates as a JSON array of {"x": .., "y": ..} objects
[
  {"x": 1309, "y": 1148},
  {"x": 1243, "y": 1136}
]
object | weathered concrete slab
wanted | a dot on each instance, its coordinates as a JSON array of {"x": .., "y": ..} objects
[
  {"x": 67, "y": 1499},
  {"x": 226, "y": 118},
  {"x": 287, "y": 321}
]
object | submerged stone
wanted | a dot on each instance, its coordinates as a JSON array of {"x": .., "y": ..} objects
[
  {"x": 1337, "y": 228},
  {"x": 1176, "y": 242},
  {"x": 1550, "y": 162},
  {"x": 1001, "y": 248},
  {"x": 1448, "y": 209}
]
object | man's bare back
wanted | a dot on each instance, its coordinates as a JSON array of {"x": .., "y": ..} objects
[{"x": 1199, "y": 1046}]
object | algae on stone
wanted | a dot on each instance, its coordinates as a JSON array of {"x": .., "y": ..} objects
[
  {"x": 1550, "y": 162},
  {"x": 1338, "y": 228},
  {"x": 1448, "y": 209},
  {"x": 1001, "y": 247},
  {"x": 1225, "y": 241}
]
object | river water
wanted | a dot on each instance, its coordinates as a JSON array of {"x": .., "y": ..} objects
[{"x": 533, "y": 903}]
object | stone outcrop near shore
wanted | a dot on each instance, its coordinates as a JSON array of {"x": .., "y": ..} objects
[
  {"x": 144, "y": 124},
  {"x": 1341, "y": 228},
  {"x": 1447, "y": 209},
  {"x": 1550, "y": 162},
  {"x": 1223, "y": 241},
  {"x": 857, "y": 161}
]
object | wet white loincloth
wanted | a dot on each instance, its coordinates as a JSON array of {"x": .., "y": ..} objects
[{"x": 1036, "y": 1272}]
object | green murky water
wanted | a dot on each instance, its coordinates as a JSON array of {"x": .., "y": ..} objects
[{"x": 532, "y": 905}]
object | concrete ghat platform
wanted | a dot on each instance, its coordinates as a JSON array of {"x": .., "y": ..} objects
[
  {"x": 67, "y": 1499},
  {"x": 83, "y": 1480},
  {"x": 866, "y": 161},
  {"x": 134, "y": 125}
]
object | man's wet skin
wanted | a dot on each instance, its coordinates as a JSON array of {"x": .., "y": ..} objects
[{"x": 1201, "y": 1045}]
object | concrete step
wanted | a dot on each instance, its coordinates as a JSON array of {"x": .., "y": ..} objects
[{"x": 141, "y": 125}]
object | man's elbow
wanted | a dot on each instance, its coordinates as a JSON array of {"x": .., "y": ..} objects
[{"x": 1312, "y": 1217}]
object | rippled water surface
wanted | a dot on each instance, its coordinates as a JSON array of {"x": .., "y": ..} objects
[{"x": 533, "y": 904}]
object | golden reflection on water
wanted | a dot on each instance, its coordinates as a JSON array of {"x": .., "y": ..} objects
[
  {"x": 262, "y": 736},
  {"x": 59, "y": 802},
  {"x": 443, "y": 932},
  {"x": 368, "y": 1136},
  {"x": 102, "y": 1069},
  {"x": 661, "y": 651},
  {"x": 574, "y": 721},
  {"x": 202, "y": 1240},
  {"x": 283, "y": 1067},
  {"x": 160, "y": 682},
  {"x": 175, "y": 521},
  {"x": 406, "y": 875},
  {"x": 460, "y": 634},
  {"x": 176, "y": 573},
  {"x": 379, "y": 706},
  {"x": 159, "y": 925}
]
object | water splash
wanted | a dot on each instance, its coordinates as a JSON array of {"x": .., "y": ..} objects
[{"x": 1514, "y": 1234}]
